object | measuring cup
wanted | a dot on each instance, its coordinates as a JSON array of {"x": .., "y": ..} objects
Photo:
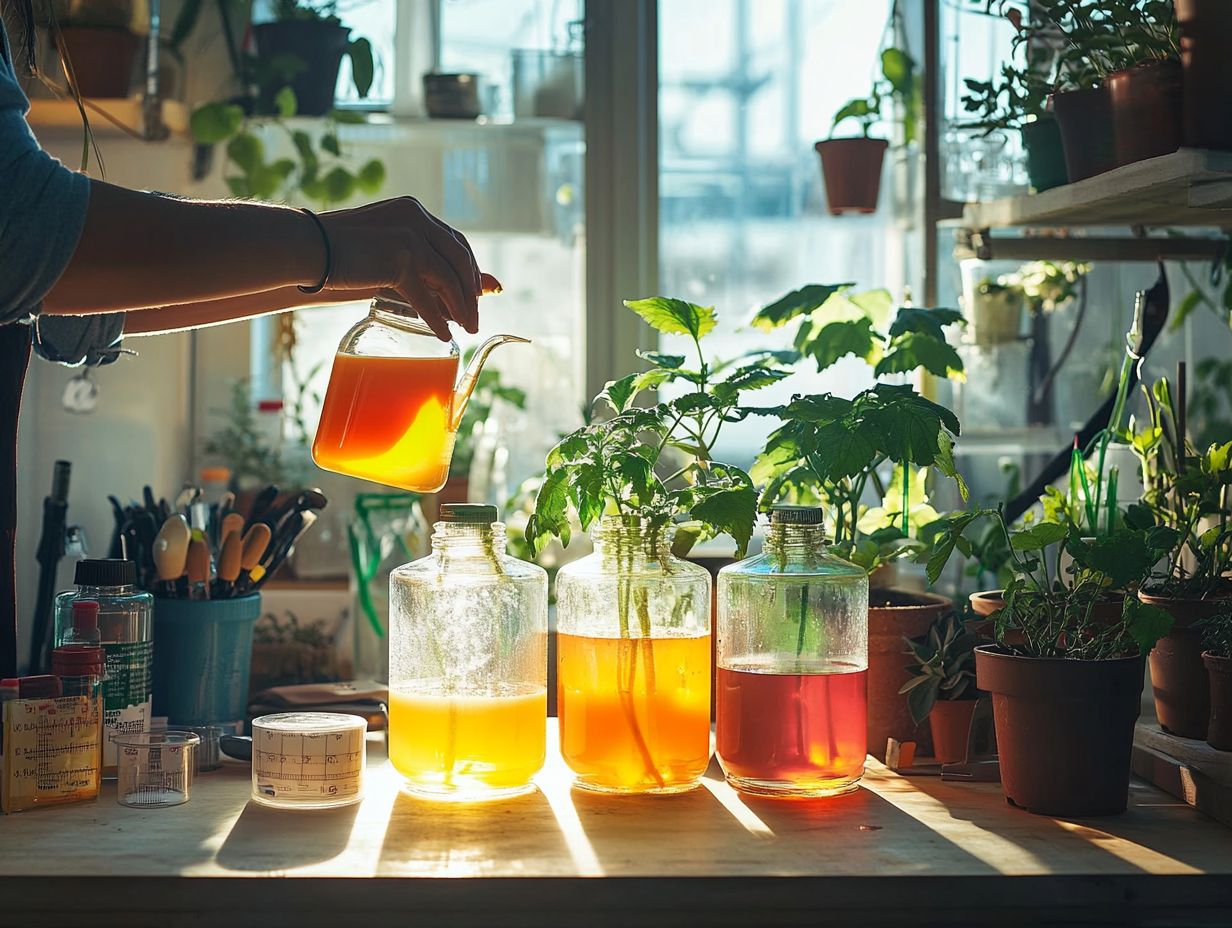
[{"x": 155, "y": 769}]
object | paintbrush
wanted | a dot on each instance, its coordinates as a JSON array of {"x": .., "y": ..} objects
[
  {"x": 170, "y": 553},
  {"x": 198, "y": 565},
  {"x": 229, "y": 559}
]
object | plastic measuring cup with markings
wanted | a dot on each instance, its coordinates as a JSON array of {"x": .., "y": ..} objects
[
  {"x": 155, "y": 769},
  {"x": 308, "y": 760}
]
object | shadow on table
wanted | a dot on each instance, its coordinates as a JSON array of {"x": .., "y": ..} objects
[{"x": 278, "y": 839}]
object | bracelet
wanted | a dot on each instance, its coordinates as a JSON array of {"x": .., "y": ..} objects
[{"x": 329, "y": 254}]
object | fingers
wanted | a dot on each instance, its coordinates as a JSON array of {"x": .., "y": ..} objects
[
  {"x": 489, "y": 284},
  {"x": 459, "y": 297},
  {"x": 415, "y": 291}
]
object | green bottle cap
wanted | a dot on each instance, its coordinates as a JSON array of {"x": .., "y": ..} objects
[{"x": 468, "y": 513}]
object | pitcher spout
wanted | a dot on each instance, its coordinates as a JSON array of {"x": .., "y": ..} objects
[{"x": 470, "y": 377}]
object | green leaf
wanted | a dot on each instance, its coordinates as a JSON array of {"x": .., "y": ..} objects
[
  {"x": 930, "y": 321},
  {"x": 348, "y": 117},
  {"x": 239, "y": 187},
  {"x": 1191, "y": 301},
  {"x": 658, "y": 359},
  {"x": 732, "y": 511},
  {"x": 551, "y": 516},
  {"x": 215, "y": 122},
  {"x": 620, "y": 393},
  {"x": 839, "y": 339},
  {"x": 339, "y": 185},
  {"x": 285, "y": 102},
  {"x": 246, "y": 151},
  {"x": 752, "y": 377},
  {"x": 915, "y": 350},
  {"x": 371, "y": 177},
  {"x": 307, "y": 155},
  {"x": 363, "y": 68},
  {"x": 797, "y": 303},
  {"x": 945, "y": 463},
  {"x": 921, "y": 699},
  {"x": 1038, "y": 536},
  {"x": 674, "y": 317},
  {"x": 859, "y": 108},
  {"x": 898, "y": 69},
  {"x": 329, "y": 143},
  {"x": 1145, "y": 624}
]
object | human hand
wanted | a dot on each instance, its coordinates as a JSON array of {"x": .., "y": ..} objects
[{"x": 398, "y": 249}]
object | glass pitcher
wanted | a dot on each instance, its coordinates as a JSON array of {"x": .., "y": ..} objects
[
  {"x": 468, "y": 663},
  {"x": 792, "y": 659},
  {"x": 392, "y": 410}
]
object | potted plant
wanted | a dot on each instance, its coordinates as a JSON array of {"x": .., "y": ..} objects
[
  {"x": 1117, "y": 77},
  {"x": 634, "y": 614},
  {"x": 831, "y": 449},
  {"x": 101, "y": 39},
  {"x": 851, "y": 167},
  {"x": 996, "y": 312},
  {"x": 942, "y": 685},
  {"x": 1205, "y": 37},
  {"x": 1217, "y": 639},
  {"x": 1187, "y": 491},
  {"x": 304, "y": 44},
  {"x": 1066, "y": 695}
]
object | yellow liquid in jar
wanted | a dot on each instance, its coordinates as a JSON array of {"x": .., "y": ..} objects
[
  {"x": 634, "y": 712},
  {"x": 472, "y": 746}
]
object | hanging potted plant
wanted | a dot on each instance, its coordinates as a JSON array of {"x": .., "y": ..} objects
[
  {"x": 1187, "y": 491},
  {"x": 996, "y": 312},
  {"x": 633, "y": 618},
  {"x": 942, "y": 685},
  {"x": 1067, "y": 694},
  {"x": 832, "y": 450},
  {"x": 851, "y": 167},
  {"x": 1217, "y": 639}
]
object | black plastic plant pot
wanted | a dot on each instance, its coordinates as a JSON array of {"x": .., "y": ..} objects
[
  {"x": 1065, "y": 729},
  {"x": 320, "y": 46},
  {"x": 1085, "y": 120},
  {"x": 1045, "y": 155}
]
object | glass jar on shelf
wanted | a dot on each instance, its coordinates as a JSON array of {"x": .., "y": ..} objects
[
  {"x": 792, "y": 659},
  {"x": 468, "y": 663},
  {"x": 633, "y": 668}
]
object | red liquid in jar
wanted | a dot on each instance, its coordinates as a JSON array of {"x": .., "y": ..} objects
[{"x": 788, "y": 732}]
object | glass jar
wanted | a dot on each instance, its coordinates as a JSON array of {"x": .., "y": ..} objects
[
  {"x": 633, "y": 668},
  {"x": 468, "y": 663},
  {"x": 792, "y": 658},
  {"x": 125, "y": 631}
]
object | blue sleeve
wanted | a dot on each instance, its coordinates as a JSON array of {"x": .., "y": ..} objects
[{"x": 42, "y": 213}]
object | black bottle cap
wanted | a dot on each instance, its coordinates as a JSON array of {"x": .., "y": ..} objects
[
  {"x": 105, "y": 572},
  {"x": 797, "y": 515},
  {"x": 468, "y": 513}
]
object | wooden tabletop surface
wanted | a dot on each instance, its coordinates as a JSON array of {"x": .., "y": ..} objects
[{"x": 899, "y": 850}]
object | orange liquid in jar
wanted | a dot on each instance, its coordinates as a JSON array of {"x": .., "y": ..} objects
[
  {"x": 387, "y": 420},
  {"x": 634, "y": 712}
]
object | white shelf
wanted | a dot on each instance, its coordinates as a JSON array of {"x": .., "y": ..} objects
[{"x": 1190, "y": 187}]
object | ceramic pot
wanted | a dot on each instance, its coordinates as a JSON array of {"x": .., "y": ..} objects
[
  {"x": 1206, "y": 35},
  {"x": 1146, "y": 110},
  {"x": 1178, "y": 675},
  {"x": 851, "y": 169},
  {"x": 320, "y": 46},
  {"x": 950, "y": 721},
  {"x": 1045, "y": 154},
  {"x": 1085, "y": 120},
  {"x": 1219, "y": 669},
  {"x": 1065, "y": 729},
  {"x": 102, "y": 59},
  {"x": 996, "y": 316},
  {"x": 892, "y": 615}
]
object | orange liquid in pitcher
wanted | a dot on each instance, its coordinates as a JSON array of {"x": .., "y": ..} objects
[
  {"x": 387, "y": 420},
  {"x": 634, "y": 712}
]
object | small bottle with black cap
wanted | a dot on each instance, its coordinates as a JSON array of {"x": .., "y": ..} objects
[
  {"x": 792, "y": 664},
  {"x": 468, "y": 663},
  {"x": 124, "y": 628}
]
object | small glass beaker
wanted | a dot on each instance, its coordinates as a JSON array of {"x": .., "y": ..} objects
[{"x": 155, "y": 768}]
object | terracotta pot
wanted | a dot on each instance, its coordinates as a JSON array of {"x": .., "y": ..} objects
[
  {"x": 851, "y": 169},
  {"x": 1178, "y": 675},
  {"x": 1206, "y": 36},
  {"x": 1146, "y": 110},
  {"x": 909, "y": 615},
  {"x": 1065, "y": 729},
  {"x": 950, "y": 721},
  {"x": 986, "y": 603},
  {"x": 102, "y": 59},
  {"x": 1045, "y": 154},
  {"x": 1219, "y": 669},
  {"x": 1085, "y": 120},
  {"x": 320, "y": 46}
]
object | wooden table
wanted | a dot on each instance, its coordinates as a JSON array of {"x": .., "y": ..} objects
[{"x": 899, "y": 851}]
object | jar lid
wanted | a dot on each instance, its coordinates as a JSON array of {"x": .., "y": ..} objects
[
  {"x": 85, "y": 615},
  {"x": 105, "y": 572},
  {"x": 468, "y": 513},
  {"x": 797, "y": 515}
]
